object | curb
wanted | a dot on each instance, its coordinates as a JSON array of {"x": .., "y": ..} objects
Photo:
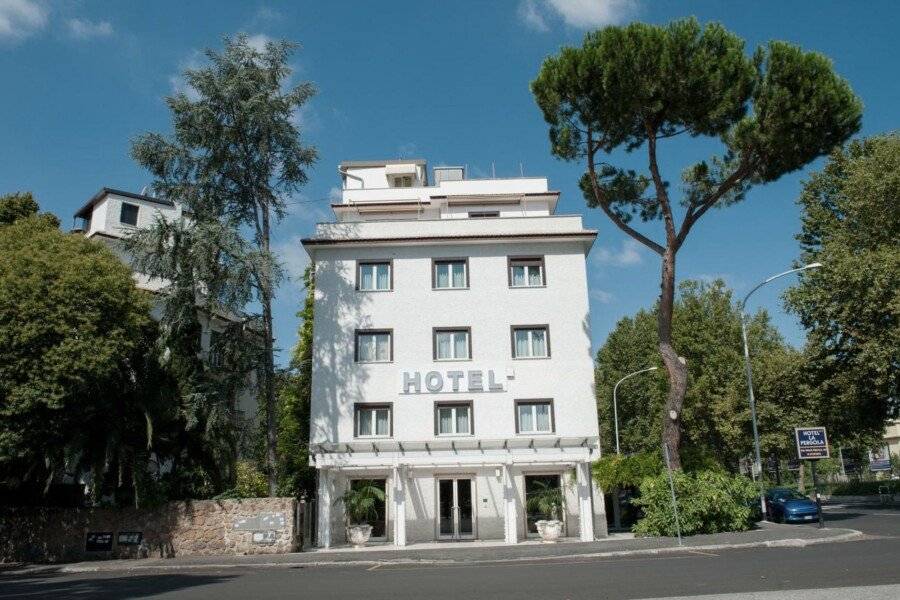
[{"x": 851, "y": 535}]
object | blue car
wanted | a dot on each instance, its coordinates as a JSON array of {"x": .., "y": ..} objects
[{"x": 784, "y": 505}]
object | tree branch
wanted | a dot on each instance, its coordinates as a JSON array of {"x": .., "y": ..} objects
[
  {"x": 661, "y": 195},
  {"x": 603, "y": 201},
  {"x": 697, "y": 210}
]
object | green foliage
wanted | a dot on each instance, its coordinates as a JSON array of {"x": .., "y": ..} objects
[
  {"x": 851, "y": 307},
  {"x": 234, "y": 158},
  {"x": 865, "y": 488},
  {"x": 295, "y": 476},
  {"x": 708, "y": 502},
  {"x": 546, "y": 499},
  {"x": 249, "y": 482},
  {"x": 617, "y": 471},
  {"x": 20, "y": 205},
  {"x": 716, "y": 417},
  {"x": 74, "y": 361},
  {"x": 361, "y": 501},
  {"x": 774, "y": 111}
]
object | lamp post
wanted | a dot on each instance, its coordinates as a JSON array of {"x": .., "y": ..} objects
[
  {"x": 747, "y": 368},
  {"x": 615, "y": 406}
]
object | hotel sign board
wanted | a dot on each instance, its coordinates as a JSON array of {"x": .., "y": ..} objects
[
  {"x": 812, "y": 443},
  {"x": 451, "y": 382}
]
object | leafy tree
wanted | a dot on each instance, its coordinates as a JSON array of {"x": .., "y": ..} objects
[
  {"x": 295, "y": 475},
  {"x": 19, "y": 205},
  {"x": 851, "y": 308},
  {"x": 706, "y": 329},
  {"x": 636, "y": 85},
  {"x": 233, "y": 160},
  {"x": 73, "y": 329}
]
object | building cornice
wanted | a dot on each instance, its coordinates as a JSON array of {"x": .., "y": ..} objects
[{"x": 587, "y": 234}]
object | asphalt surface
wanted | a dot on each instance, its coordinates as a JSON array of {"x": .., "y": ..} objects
[{"x": 868, "y": 568}]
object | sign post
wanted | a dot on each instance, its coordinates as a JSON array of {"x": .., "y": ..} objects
[{"x": 812, "y": 444}]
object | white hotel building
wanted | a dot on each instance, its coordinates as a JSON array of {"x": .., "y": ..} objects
[{"x": 452, "y": 356}]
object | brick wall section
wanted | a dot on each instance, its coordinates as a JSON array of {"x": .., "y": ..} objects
[{"x": 200, "y": 527}]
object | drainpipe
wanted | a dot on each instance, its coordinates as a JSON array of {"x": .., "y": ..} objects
[{"x": 362, "y": 184}]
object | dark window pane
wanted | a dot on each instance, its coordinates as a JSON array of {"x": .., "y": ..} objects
[{"x": 129, "y": 214}]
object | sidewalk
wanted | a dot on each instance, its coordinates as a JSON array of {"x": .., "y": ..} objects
[{"x": 769, "y": 535}]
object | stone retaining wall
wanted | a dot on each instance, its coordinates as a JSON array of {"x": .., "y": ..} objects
[{"x": 200, "y": 527}]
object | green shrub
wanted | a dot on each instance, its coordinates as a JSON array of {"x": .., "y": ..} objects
[
  {"x": 249, "y": 482},
  {"x": 864, "y": 488},
  {"x": 708, "y": 502},
  {"x": 618, "y": 471}
]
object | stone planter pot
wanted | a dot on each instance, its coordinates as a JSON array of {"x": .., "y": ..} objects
[
  {"x": 550, "y": 530},
  {"x": 358, "y": 535}
]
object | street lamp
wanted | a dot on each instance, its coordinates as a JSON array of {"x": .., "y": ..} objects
[
  {"x": 615, "y": 408},
  {"x": 742, "y": 306}
]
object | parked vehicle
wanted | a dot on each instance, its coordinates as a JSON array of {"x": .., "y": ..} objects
[{"x": 784, "y": 505}]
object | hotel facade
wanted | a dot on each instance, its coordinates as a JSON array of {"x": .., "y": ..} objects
[{"x": 452, "y": 359}]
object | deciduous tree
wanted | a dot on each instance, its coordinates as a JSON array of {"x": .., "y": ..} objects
[
  {"x": 851, "y": 308},
  {"x": 635, "y": 86}
]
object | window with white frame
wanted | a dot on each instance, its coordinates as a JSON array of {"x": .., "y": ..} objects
[
  {"x": 534, "y": 416},
  {"x": 452, "y": 344},
  {"x": 453, "y": 418},
  {"x": 374, "y": 276},
  {"x": 451, "y": 274},
  {"x": 374, "y": 346},
  {"x": 373, "y": 420},
  {"x": 526, "y": 272},
  {"x": 530, "y": 341}
]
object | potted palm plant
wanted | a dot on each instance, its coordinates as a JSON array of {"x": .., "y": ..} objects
[
  {"x": 360, "y": 507},
  {"x": 547, "y": 499}
]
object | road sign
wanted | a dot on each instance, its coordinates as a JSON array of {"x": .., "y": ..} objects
[{"x": 812, "y": 443}]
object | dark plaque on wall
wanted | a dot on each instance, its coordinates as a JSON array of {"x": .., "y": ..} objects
[
  {"x": 99, "y": 541},
  {"x": 129, "y": 538}
]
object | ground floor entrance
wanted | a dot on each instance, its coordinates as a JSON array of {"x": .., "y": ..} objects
[
  {"x": 460, "y": 502},
  {"x": 455, "y": 515}
]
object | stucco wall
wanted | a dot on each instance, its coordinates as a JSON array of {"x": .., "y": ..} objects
[
  {"x": 489, "y": 307},
  {"x": 202, "y": 527}
]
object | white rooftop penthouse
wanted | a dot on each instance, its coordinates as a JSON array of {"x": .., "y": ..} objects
[{"x": 452, "y": 357}]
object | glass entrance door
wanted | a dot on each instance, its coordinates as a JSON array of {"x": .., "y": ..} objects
[{"x": 455, "y": 514}]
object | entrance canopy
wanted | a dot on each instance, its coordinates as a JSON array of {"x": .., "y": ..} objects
[{"x": 448, "y": 452}]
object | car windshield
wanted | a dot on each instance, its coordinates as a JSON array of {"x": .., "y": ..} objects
[{"x": 789, "y": 495}]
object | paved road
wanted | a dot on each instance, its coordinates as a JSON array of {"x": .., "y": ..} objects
[{"x": 864, "y": 569}]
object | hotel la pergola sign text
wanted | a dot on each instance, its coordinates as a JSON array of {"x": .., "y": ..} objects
[{"x": 452, "y": 382}]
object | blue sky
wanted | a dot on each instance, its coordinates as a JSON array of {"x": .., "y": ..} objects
[{"x": 443, "y": 81}]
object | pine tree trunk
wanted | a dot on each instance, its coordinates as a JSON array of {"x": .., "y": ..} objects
[
  {"x": 671, "y": 428},
  {"x": 269, "y": 377}
]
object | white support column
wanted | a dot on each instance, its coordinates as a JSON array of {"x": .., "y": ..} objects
[
  {"x": 585, "y": 510},
  {"x": 398, "y": 476},
  {"x": 511, "y": 518},
  {"x": 323, "y": 509}
]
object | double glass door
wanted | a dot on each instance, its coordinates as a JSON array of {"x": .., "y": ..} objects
[{"x": 455, "y": 514}]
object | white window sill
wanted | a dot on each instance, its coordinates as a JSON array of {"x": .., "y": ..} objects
[
  {"x": 370, "y": 291},
  {"x": 448, "y": 289},
  {"x": 531, "y": 358},
  {"x": 527, "y": 287},
  {"x": 531, "y": 433},
  {"x": 450, "y": 360},
  {"x": 374, "y": 362}
]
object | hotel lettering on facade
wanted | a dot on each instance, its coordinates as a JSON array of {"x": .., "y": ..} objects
[{"x": 452, "y": 361}]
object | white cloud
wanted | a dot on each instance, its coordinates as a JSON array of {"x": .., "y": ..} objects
[
  {"x": 258, "y": 41},
  {"x": 581, "y": 14},
  {"x": 628, "y": 255},
  {"x": 82, "y": 29},
  {"x": 601, "y": 296},
  {"x": 293, "y": 258},
  {"x": 179, "y": 83},
  {"x": 21, "y": 18},
  {"x": 531, "y": 16}
]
